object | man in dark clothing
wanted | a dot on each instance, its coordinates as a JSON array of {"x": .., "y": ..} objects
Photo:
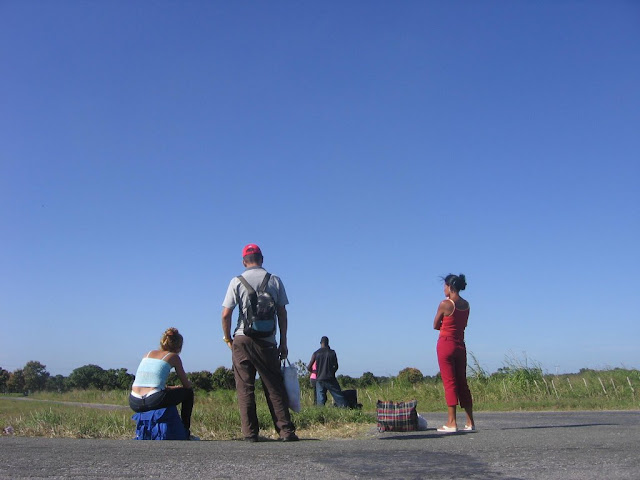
[{"x": 326, "y": 362}]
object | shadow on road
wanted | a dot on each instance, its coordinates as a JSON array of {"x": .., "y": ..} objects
[
  {"x": 418, "y": 436},
  {"x": 532, "y": 427}
]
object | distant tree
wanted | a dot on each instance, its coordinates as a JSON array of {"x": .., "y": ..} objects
[
  {"x": 35, "y": 376},
  {"x": 367, "y": 379},
  {"x": 173, "y": 379},
  {"x": 430, "y": 378},
  {"x": 347, "y": 382},
  {"x": 201, "y": 380},
  {"x": 124, "y": 379},
  {"x": 109, "y": 379},
  {"x": 16, "y": 383},
  {"x": 117, "y": 379},
  {"x": 57, "y": 384},
  {"x": 502, "y": 372},
  {"x": 88, "y": 376},
  {"x": 223, "y": 379},
  {"x": 4, "y": 378},
  {"x": 301, "y": 367},
  {"x": 410, "y": 375}
]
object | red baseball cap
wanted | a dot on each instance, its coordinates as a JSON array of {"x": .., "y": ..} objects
[{"x": 251, "y": 249}]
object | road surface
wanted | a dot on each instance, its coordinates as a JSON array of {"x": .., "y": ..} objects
[{"x": 520, "y": 445}]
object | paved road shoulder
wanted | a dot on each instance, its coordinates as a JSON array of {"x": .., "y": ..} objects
[{"x": 520, "y": 445}]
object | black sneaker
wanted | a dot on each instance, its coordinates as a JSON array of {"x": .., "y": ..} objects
[
  {"x": 251, "y": 439},
  {"x": 292, "y": 437}
]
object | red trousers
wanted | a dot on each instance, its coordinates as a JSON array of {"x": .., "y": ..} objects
[{"x": 452, "y": 358}]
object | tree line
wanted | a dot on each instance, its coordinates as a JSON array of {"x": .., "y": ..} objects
[
  {"x": 408, "y": 375},
  {"x": 34, "y": 377}
]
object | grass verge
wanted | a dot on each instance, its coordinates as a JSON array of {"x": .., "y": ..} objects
[{"x": 216, "y": 417}]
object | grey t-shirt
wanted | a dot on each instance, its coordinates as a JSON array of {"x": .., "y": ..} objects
[{"x": 237, "y": 295}]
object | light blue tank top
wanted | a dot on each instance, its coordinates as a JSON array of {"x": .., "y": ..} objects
[{"x": 152, "y": 372}]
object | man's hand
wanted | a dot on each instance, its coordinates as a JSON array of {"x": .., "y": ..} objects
[{"x": 283, "y": 351}]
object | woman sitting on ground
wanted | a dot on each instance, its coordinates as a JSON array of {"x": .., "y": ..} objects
[{"x": 150, "y": 390}]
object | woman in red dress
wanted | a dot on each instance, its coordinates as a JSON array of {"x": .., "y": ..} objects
[{"x": 451, "y": 319}]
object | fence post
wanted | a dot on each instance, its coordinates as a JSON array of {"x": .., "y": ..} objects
[
  {"x": 602, "y": 385},
  {"x": 537, "y": 386},
  {"x": 546, "y": 385},
  {"x": 554, "y": 388}
]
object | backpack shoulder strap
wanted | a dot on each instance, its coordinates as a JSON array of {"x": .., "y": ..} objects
[
  {"x": 253, "y": 296},
  {"x": 265, "y": 281},
  {"x": 246, "y": 284}
]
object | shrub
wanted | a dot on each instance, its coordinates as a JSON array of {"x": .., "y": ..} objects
[{"x": 410, "y": 375}]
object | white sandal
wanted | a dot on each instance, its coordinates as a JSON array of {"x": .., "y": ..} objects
[{"x": 445, "y": 429}]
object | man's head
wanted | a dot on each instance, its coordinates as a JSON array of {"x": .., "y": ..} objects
[
  {"x": 324, "y": 342},
  {"x": 252, "y": 255}
]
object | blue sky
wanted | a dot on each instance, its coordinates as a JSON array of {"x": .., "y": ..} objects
[{"x": 367, "y": 147}]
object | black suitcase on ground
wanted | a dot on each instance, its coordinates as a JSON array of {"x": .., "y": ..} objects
[{"x": 351, "y": 396}]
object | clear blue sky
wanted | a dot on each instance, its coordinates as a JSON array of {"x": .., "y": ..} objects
[{"x": 368, "y": 147}]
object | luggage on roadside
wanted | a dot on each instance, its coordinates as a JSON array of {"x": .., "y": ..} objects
[
  {"x": 351, "y": 397},
  {"x": 397, "y": 416}
]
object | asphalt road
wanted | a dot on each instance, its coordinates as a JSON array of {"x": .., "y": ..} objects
[{"x": 522, "y": 445}]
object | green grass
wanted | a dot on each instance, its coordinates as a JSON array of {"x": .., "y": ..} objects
[
  {"x": 43, "y": 419},
  {"x": 110, "y": 397},
  {"x": 216, "y": 416}
]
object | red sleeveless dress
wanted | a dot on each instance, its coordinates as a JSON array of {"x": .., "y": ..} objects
[
  {"x": 453, "y": 325},
  {"x": 452, "y": 358}
]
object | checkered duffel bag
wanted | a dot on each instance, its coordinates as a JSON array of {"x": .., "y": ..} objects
[{"x": 397, "y": 416}]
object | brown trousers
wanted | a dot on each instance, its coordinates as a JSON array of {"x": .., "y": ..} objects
[{"x": 251, "y": 356}]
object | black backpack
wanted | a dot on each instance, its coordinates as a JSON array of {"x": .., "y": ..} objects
[{"x": 260, "y": 320}]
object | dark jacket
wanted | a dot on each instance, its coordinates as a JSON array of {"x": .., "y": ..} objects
[{"x": 327, "y": 363}]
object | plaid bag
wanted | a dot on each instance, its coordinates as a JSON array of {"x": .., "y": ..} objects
[{"x": 397, "y": 416}]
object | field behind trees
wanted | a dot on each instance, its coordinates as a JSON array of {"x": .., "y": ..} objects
[{"x": 518, "y": 385}]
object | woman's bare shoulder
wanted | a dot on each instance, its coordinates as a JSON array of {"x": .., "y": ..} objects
[
  {"x": 447, "y": 306},
  {"x": 161, "y": 355}
]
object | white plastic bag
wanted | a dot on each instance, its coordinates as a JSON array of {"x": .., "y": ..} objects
[
  {"x": 291, "y": 384},
  {"x": 422, "y": 422}
]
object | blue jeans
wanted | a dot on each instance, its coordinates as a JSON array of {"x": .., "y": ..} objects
[
  {"x": 336, "y": 392},
  {"x": 313, "y": 387}
]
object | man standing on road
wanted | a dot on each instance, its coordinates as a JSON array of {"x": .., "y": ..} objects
[
  {"x": 257, "y": 351},
  {"x": 326, "y": 367}
]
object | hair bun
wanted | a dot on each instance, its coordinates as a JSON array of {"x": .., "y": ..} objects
[
  {"x": 462, "y": 282},
  {"x": 171, "y": 331}
]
